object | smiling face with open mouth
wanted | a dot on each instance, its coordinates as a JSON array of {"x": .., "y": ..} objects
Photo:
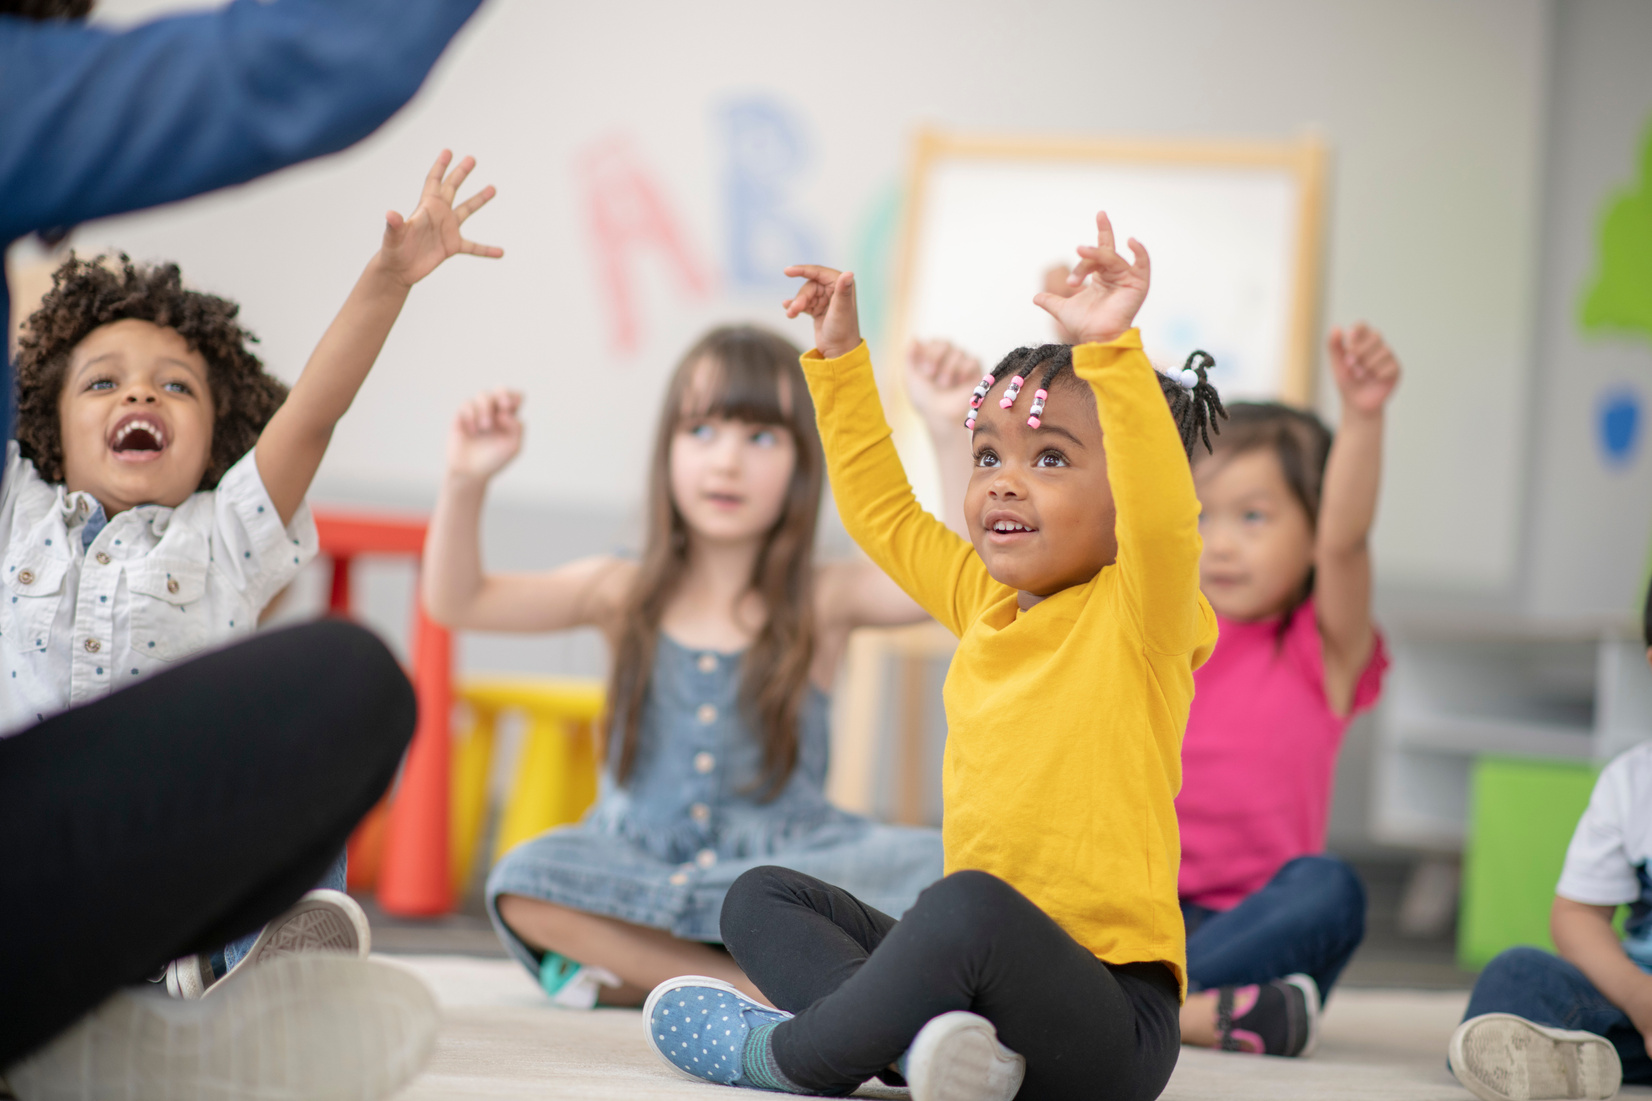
[
  {"x": 136, "y": 416},
  {"x": 1039, "y": 506}
]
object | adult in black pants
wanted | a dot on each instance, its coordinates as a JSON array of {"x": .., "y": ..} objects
[
  {"x": 862, "y": 984},
  {"x": 179, "y": 813}
]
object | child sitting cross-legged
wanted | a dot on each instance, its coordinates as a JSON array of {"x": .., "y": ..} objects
[
  {"x": 1051, "y": 954},
  {"x": 153, "y": 500},
  {"x": 1579, "y": 1024}
]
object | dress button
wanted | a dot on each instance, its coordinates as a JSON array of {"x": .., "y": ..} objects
[
  {"x": 678, "y": 879},
  {"x": 704, "y": 762},
  {"x": 25, "y": 577},
  {"x": 700, "y": 812},
  {"x": 82, "y": 506},
  {"x": 172, "y": 585},
  {"x": 93, "y": 646},
  {"x": 707, "y": 714},
  {"x": 708, "y": 663},
  {"x": 705, "y": 858},
  {"x": 103, "y": 559}
]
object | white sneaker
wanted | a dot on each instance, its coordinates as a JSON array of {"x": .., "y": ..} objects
[
  {"x": 322, "y": 1028},
  {"x": 324, "y": 920},
  {"x": 1501, "y": 1057},
  {"x": 957, "y": 1057}
]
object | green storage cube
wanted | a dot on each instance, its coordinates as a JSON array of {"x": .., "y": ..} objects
[{"x": 1521, "y": 815}]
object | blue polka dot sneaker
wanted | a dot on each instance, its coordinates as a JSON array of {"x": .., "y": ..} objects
[{"x": 702, "y": 1027}]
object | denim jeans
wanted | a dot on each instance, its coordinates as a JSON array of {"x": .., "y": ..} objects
[
  {"x": 1547, "y": 990},
  {"x": 236, "y": 949},
  {"x": 1308, "y": 918}
]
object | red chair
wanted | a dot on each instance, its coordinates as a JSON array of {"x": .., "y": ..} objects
[{"x": 403, "y": 844}]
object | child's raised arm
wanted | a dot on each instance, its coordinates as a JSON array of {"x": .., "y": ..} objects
[
  {"x": 292, "y": 445},
  {"x": 486, "y": 435},
  {"x": 1366, "y": 373},
  {"x": 939, "y": 379}
]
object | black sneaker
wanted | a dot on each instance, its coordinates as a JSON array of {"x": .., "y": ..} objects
[{"x": 1276, "y": 1018}]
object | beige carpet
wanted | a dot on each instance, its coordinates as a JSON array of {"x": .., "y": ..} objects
[{"x": 502, "y": 1039}]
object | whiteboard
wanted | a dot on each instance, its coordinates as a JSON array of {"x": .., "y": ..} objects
[{"x": 1232, "y": 229}]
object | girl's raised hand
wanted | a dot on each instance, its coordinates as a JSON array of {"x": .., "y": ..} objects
[
  {"x": 940, "y": 376},
  {"x": 415, "y": 245},
  {"x": 1364, "y": 366},
  {"x": 1109, "y": 290},
  {"x": 486, "y": 434},
  {"x": 828, "y": 296}
]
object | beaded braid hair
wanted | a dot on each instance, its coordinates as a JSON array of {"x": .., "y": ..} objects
[{"x": 1194, "y": 403}]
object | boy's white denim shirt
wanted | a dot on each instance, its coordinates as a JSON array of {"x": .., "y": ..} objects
[
  {"x": 155, "y": 586},
  {"x": 1609, "y": 861}
]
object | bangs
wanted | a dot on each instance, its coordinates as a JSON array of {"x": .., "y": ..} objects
[{"x": 739, "y": 381}]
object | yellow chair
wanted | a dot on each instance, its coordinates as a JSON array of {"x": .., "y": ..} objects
[{"x": 556, "y": 772}]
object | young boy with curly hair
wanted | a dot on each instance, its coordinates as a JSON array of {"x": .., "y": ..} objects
[{"x": 153, "y": 500}]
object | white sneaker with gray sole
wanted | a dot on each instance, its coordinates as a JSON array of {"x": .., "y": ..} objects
[
  {"x": 318, "y": 1027},
  {"x": 324, "y": 920},
  {"x": 1501, "y": 1057},
  {"x": 957, "y": 1057}
]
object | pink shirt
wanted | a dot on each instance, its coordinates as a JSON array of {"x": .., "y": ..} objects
[{"x": 1260, "y": 755}]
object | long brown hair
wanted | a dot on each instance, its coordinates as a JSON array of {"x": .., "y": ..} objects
[{"x": 753, "y": 376}]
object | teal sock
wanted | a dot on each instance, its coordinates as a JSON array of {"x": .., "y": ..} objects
[{"x": 757, "y": 1065}]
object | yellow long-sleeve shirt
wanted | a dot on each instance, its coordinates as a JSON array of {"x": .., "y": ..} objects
[{"x": 1065, "y": 721}]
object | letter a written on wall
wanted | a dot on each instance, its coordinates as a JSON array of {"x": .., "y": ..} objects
[
  {"x": 628, "y": 215},
  {"x": 766, "y": 151}
]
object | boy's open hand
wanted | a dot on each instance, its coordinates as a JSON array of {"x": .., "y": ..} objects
[
  {"x": 414, "y": 246},
  {"x": 940, "y": 376},
  {"x": 1109, "y": 289},
  {"x": 828, "y": 296},
  {"x": 486, "y": 435},
  {"x": 1364, "y": 367}
]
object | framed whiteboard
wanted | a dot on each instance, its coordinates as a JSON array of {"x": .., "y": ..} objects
[{"x": 1233, "y": 229}]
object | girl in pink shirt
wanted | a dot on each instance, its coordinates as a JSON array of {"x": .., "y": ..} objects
[{"x": 1286, "y": 513}]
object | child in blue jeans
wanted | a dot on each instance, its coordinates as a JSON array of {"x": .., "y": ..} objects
[{"x": 1576, "y": 1025}]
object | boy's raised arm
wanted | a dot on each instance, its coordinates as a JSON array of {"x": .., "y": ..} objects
[
  {"x": 932, "y": 564},
  {"x": 293, "y": 443}
]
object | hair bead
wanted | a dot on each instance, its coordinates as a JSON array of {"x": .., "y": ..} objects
[
  {"x": 981, "y": 390},
  {"x": 1040, "y": 396},
  {"x": 969, "y": 421},
  {"x": 1012, "y": 393}
]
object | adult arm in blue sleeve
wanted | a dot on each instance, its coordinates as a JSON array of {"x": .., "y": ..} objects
[{"x": 96, "y": 122}]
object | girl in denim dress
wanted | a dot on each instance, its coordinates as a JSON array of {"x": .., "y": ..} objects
[{"x": 722, "y": 637}]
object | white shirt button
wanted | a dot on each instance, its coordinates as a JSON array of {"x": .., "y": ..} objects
[
  {"x": 708, "y": 663},
  {"x": 704, "y": 762},
  {"x": 678, "y": 879},
  {"x": 93, "y": 646},
  {"x": 700, "y": 812},
  {"x": 103, "y": 559},
  {"x": 705, "y": 858},
  {"x": 707, "y": 714}
]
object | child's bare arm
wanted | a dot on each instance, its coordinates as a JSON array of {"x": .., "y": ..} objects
[
  {"x": 1366, "y": 373},
  {"x": 293, "y": 443},
  {"x": 939, "y": 379},
  {"x": 486, "y": 435},
  {"x": 1587, "y": 941}
]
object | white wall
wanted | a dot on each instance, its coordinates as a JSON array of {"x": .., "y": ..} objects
[{"x": 1435, "y": 113}]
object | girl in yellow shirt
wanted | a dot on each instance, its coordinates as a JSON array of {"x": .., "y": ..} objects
[{"x": 1053, "y": 949}]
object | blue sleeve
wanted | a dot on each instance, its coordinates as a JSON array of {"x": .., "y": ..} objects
[{"x": 96, "y": 122}]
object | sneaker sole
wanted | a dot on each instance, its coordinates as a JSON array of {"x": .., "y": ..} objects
[
  {"x": 1310, "y": 992},
  {"x": 313, "y": 1027},
  {"x": 323, "y": 921},
  {"x": 1495, "y": 1055},
  {"x": 957, "y": 1057},
  {"x": 661, "y": 991}
]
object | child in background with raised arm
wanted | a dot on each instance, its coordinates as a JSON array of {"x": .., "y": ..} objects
[
  {"x": 1286, "y": 519},
  {"x": 724, "y": 638},
  {"x": 1052, "y": 953},
  {"x": 153, "y": 500}
]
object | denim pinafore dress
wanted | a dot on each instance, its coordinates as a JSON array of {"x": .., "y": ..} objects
[{"x": 663, "y": 850}]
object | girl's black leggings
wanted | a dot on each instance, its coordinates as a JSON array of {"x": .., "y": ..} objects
[{"x": 862, "y": 984}]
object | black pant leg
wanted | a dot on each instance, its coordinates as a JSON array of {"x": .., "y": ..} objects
[
  {"x": 186, "y": 810},
  {"x": 797, "y": 937},
  {"x": 973, "y": 942}
]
